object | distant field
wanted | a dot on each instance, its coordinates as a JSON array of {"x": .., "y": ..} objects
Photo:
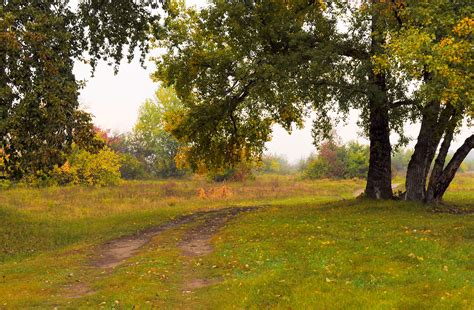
[{"x": 306, "y": 244}]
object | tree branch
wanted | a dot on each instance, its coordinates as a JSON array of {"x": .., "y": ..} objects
[
  {"x": 400, "y": 103},
  {"x": 450, "y": 171}
]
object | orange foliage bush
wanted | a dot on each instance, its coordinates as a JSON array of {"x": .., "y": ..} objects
[{"x": 220, "y": 192}]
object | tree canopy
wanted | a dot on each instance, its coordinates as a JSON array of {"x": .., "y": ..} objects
[
  {"x": 240, "y": 67},
  {"x": 39, "y": 41},
  {"x": 150, "y": 141}
]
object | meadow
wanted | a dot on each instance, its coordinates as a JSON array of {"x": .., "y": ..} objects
[{"x": 292, "y": 244}]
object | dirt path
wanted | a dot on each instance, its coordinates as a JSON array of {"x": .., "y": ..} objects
[{"x": 195, "y": 242}]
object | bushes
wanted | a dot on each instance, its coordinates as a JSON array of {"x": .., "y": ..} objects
[
  {"x": 240, "y": 173},
  {"x": 357, "y": 160},
  {"x": 275, "y": 164},
  {"x": 339, "y": 161},
  {"x": 83, "y": 167},
  {"x": 132, "y": 168}
]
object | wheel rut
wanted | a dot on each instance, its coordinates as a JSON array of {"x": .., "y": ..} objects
[{"x": 195, "y": 242}]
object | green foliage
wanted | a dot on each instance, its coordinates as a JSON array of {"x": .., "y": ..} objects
[
  {"x": 274, "y": 164},
  {"x": 132, "y": 168},
  {"x": 240, "y": 67},
  {"x": 339, "y": 161},
  {"x": 150, "y": 140},
  {"x": 5, "y": 184},
  {"x": 243, "y": 171},
  {"x": 39, "y": 42},
  {"x": 357, "y": 160},
  {"x": 83, "y": 167}
]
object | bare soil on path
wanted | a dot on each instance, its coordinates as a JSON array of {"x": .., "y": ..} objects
[{"x": 195, "y": 242}]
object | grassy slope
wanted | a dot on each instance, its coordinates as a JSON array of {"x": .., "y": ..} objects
[{"x": 308, "y": 248}]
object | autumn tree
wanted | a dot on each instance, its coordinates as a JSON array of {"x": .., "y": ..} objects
[
  {"x": 150, "y": 141},
  {"x": 241, "y": 67},
  {"x": 39, "y": 42},
  {"x": 434, "y": 52}
]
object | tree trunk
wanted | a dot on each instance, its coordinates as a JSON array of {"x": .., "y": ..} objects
[
  {"x": 441, "y": 158},
  {"x": 379, "y": 177},
  {"x": 450, "y": 171},
  {"x": 433, "y": 125}
]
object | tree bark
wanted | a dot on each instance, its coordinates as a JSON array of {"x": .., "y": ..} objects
[
  {"x": 379, "y": 177},
  {"x": 433, "y": 125},
  {"x": 449, "y": 172},
  {"x": 441, "y": 158}
]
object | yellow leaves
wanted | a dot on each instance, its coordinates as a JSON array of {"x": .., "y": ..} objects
[
  {"x": 181, "y": 158},
  {"x": 381, "y": 62},
  {"x": 92, "y": 169},
  {"x": 419, "y": 258},
  {"x": 446, "y": 41},
  {"x": 328, "y": 242},
  {"x": 66, "y": 168},
  {"x": 323, "y": 5},
  {"x": 464, "y": 27},
  {"x": 202, "y": 193}
]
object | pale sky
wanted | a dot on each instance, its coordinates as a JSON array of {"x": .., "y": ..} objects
[{"x": 114, "y": 101}]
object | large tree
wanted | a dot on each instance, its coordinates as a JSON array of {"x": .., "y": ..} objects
[
  {"x": 39, "y": 42},
  {"x": 241, "y": 67},
  {"x": 434, "y": 51}
]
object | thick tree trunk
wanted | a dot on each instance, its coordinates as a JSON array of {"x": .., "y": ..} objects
[
  {"x": 449, "y": 172},
  {"x": 441, "y": 158},
  {"x": 379, "y": 177},
  {"x": 433, "y": 125}
]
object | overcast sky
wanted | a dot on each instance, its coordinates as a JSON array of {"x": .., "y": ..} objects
[{"x": 114, "y": 101}]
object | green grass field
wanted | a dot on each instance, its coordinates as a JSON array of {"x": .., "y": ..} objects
[{"x": 309, "y": 244}]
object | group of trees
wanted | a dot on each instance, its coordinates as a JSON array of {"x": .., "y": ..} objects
[
  {"x": 239, "y": 67},
  {"x": 336, "y": 160},
  {"x": 40, "y": 118},
  {"x": 149, "y": 150}
]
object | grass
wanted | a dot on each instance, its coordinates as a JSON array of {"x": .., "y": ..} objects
[{"x": 312, "y": 246}]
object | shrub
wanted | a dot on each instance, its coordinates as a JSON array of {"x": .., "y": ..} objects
[
  {"x": 317, "y": 169},
  {"x": 238, "y": 174},
  {"x": 357, "y": 160},
  {"x": 5, "y": 184},
  {"x": 275, "y": 164},
  {"x": 132, "y": 168},
  {"x": 338, "y": 161},
  {"x": 83, "y": 167}
]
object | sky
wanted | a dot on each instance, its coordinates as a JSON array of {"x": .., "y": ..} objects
[{"x": 114, "y": 101}]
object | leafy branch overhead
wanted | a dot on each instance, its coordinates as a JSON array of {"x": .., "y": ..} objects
[{"x": 240, "y": 67}]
